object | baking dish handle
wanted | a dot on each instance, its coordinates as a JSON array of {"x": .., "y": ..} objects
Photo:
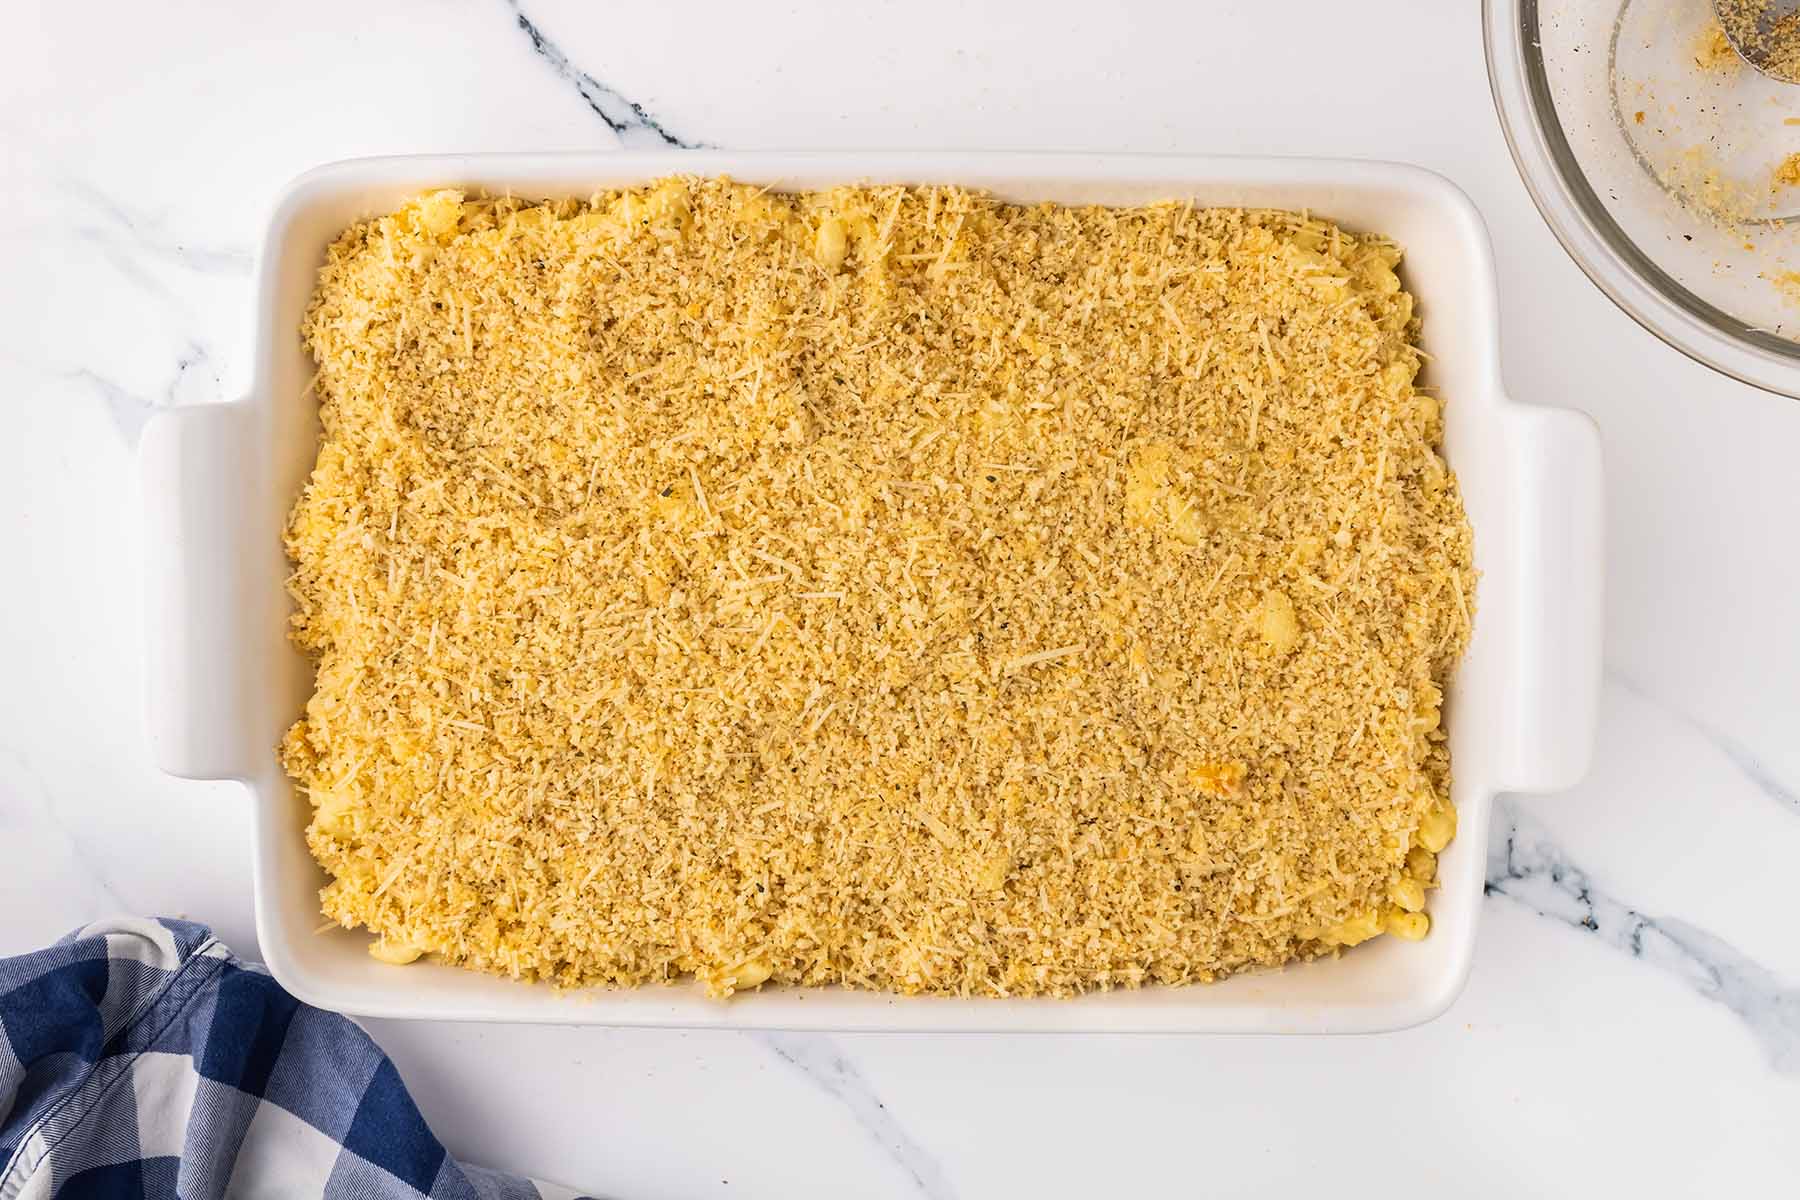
[
  {"x": 196, "y": 465},
  {"x": 1560, "y": 552}
]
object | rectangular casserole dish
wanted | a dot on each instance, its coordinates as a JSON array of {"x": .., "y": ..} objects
[{"x": 219, "y": 480}]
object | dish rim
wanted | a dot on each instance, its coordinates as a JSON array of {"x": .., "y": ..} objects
[{"x": 403, "y": 998}]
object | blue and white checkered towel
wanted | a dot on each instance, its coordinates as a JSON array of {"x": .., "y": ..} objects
[{"x": 140, "y": 1058}]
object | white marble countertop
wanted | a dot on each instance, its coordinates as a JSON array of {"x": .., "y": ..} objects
[{"x": 1633, "y": 1021}]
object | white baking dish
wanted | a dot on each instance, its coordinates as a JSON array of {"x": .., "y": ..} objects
[{"x": 218, "y": 481}]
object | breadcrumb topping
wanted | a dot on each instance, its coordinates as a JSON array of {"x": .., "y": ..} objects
[{"x": 884, "y": 587}]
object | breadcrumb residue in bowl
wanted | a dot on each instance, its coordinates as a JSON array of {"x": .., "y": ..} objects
[{"x": 882, "y": 586}]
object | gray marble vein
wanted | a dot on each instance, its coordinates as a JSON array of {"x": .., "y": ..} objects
[
  {"x": 129, "y": 410},
  {"x": 1526, "y": 866},
  {"x": 1740, "y": 755},
  {"x": 623, "y": 116},
  {"x": 822, "y": 1061},
  {"x": 147, "y": 235},
  {"x": 194, "y": 381},
  {"x": 22, "y": 788},
  {"x": 128, "y": 267},
  {"x": 121, "y": 232}
]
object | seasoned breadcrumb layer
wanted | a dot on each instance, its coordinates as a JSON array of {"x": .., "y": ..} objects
[{"x": 884, "y": 586}]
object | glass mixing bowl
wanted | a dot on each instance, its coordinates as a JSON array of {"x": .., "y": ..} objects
[{"x": 1661, "y": 162}]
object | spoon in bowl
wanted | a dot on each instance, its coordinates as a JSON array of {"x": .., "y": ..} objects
[{"x": 1765, "y": 33}]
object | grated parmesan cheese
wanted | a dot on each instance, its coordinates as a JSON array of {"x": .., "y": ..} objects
[{"x": 883, "y": 587}]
